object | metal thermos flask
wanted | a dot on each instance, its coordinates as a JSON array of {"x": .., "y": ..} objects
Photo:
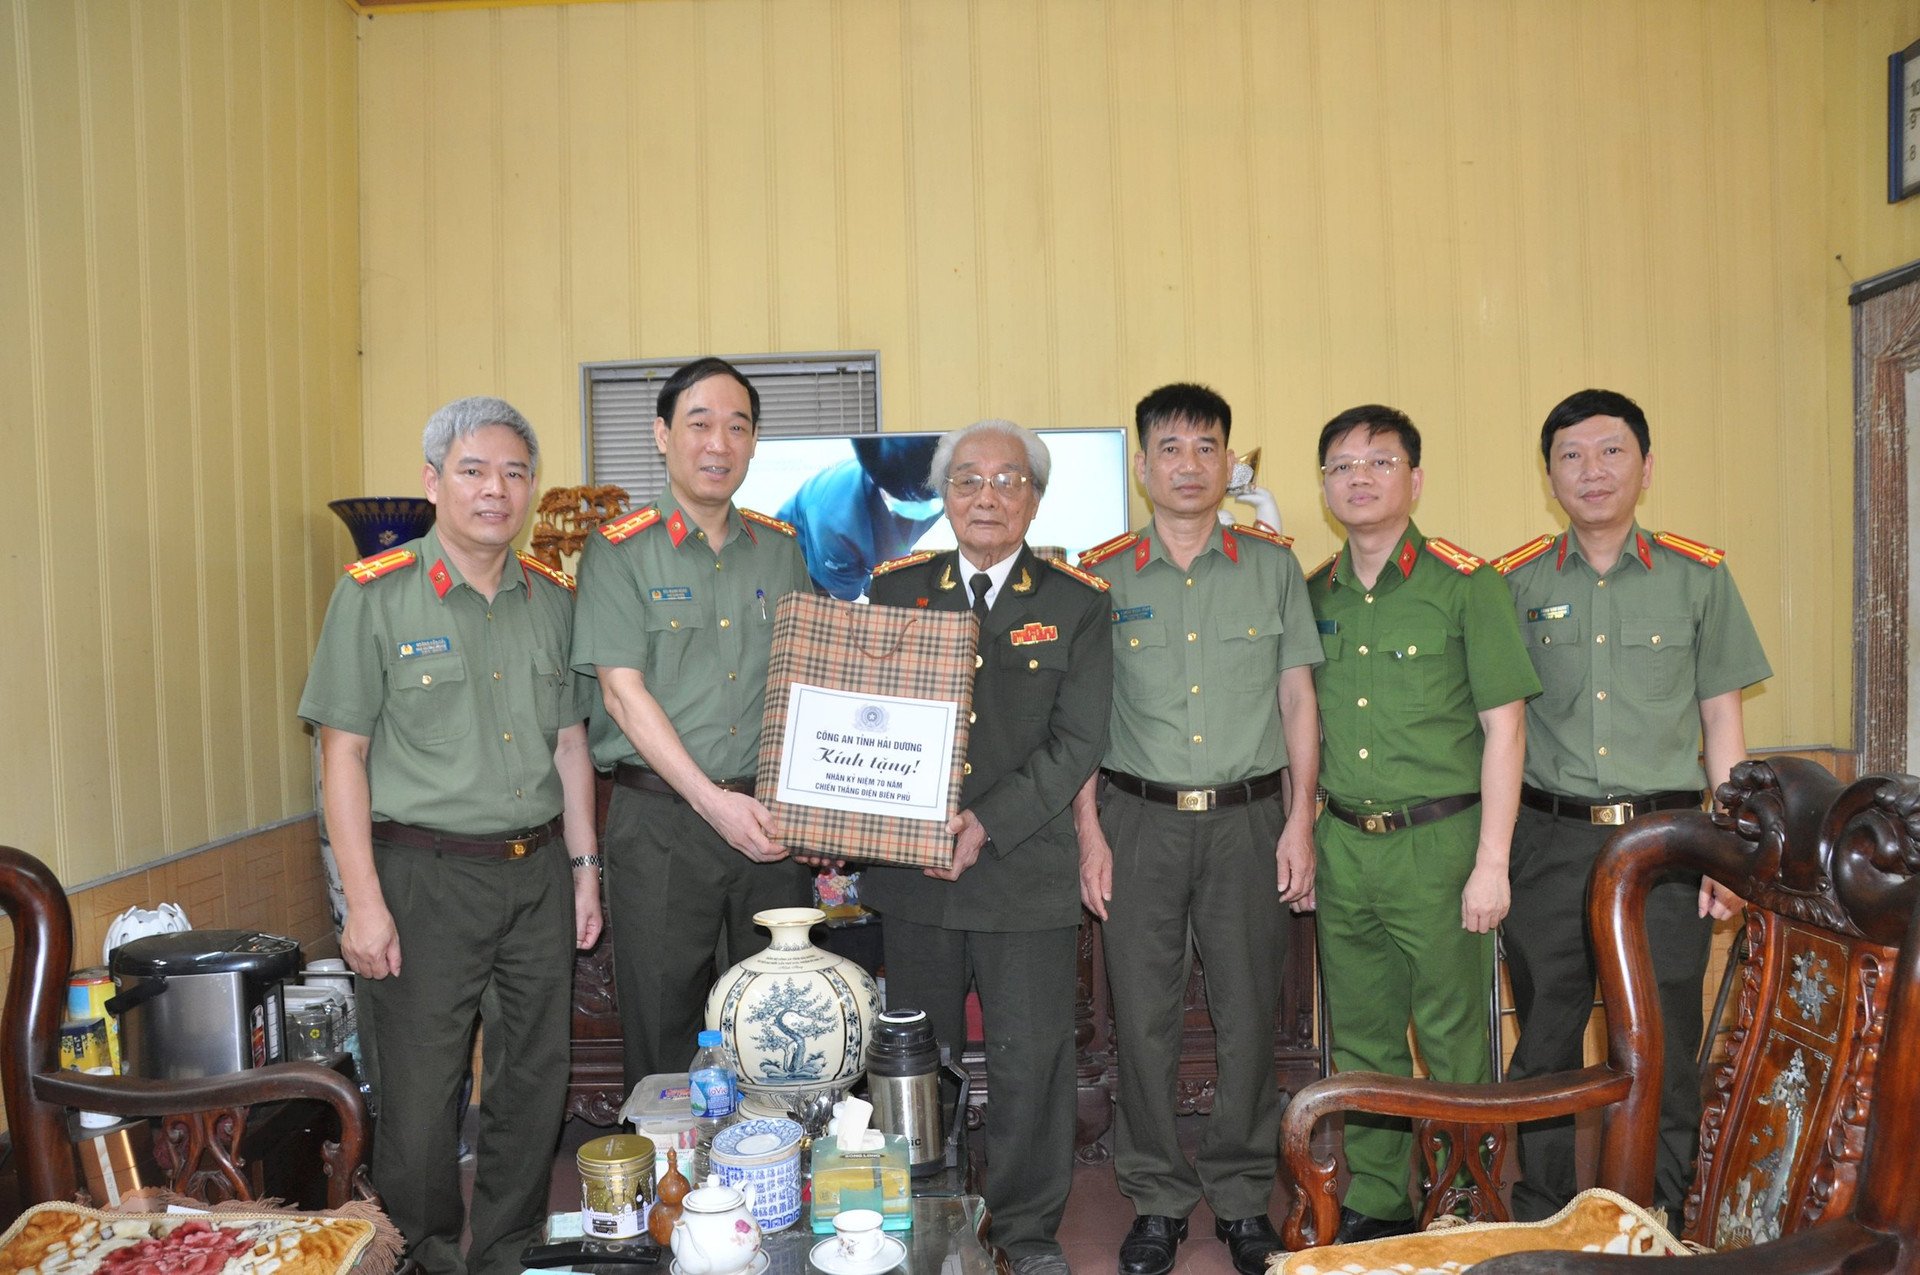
[{"x": 903, "y": 1077}]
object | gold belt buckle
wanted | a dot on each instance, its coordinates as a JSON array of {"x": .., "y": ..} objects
[
  {"x": 1374, "y": 823},
  {"x": 1193, "y": 799},
  {"x": 519, "y": 849},
  {"x": 1613, "y": 816}
]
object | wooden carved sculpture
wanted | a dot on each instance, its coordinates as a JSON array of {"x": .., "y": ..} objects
[{"x": 566, "y": 516}]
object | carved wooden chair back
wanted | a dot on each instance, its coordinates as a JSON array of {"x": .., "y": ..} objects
[
  {"x": 201, "y": 1121},
  {"x": 1828, "y": 876}
]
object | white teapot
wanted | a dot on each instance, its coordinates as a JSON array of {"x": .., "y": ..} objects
[{"x": 716, "y": 1233}]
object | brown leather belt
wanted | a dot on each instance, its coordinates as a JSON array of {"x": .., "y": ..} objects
[
  {"x": 1197, "y": 800},
  {"x": 1611, "y": 813},
  {"x": 516, "y": 845},
  {"x": 628, "y": 775},
  {"x": 1409, "y": 817}
]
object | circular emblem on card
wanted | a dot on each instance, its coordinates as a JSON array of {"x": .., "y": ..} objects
[{"x": 871, "y": 718}]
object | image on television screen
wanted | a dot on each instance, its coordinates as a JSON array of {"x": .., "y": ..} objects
[{"x": 859, "y": 500}]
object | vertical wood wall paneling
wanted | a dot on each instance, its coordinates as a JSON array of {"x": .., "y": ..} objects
[{"x": 160, "y": 579}]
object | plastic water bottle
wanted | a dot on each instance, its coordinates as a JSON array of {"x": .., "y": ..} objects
[{"x": 713, "y": 1085}]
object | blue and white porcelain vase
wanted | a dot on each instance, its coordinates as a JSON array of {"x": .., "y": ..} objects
[{"x": 797, "y": 1018}]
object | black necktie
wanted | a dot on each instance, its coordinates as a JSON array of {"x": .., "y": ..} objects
[{"x": 980, "y": 583}]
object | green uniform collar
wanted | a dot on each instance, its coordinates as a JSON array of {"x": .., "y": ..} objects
[
  {"x": 1638, "y": 548},
  {"x": 681, "y": 528},
  {"x": 1218, "y": 542},
  {"x": 444, "y": 574},
  {"x": 1403, "y": 561}
]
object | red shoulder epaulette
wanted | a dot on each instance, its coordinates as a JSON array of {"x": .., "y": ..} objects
[
  {"x": 767, "y": 520},
  {"x": 554, "y": 574},
  {"x": 1515, "y": 558},
  {"x": 1705, "y": 555},
  {"x": 1262, "y": 533},
  {"x": 910, "y": 560},
  {"x": 1454, "y": 556},
  {"x": 632, "y": 525},
  {"x": 1325, "y": 566},
  {"x": 368, "y": 570},
  {"x": 1087, "y": 578},
  {"x": 1107, "y": 548}
]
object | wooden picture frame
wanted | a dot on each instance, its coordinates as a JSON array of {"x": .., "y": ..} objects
[{"x": 1903, "y": 124}]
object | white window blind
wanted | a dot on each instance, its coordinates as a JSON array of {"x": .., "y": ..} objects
[{"x": 833, "y": 392}]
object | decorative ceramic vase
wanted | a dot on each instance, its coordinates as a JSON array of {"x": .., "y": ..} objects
[
  {"x": 797, "y": 1018},
  {"x": 380, "y": 523}
]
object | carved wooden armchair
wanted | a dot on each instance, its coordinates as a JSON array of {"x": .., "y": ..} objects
[
  {"x": 202, "y": 1121},
  {"x": 1828, "y": 1032}
]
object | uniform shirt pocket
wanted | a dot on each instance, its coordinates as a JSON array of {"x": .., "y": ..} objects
[
  {"x": 430, "y": 702},
  {"x": 549, "y": 689},
  {"x": 1656, "y": 655},
  {"x": 671, "y": 629},
  {"x": 1416, "y": 669},
  {"x": 1030, "y": 676},
  {"x": 1141, "y": 669},
  {"x": 1249, "y": 650},
  {"x": 1558, "y": 649}
]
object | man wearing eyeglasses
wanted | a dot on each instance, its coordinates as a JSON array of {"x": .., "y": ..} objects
[
  {"x": 1005, "y": 917},
  {"x": 1213, "y": 719},
  {"x": 1644, "y": 647},
  {"x": 1422, "y": 703}
]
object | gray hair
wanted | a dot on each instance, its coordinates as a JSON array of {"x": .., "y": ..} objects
[
  {"x": 465, "y": 417},
  {"x": 1039, "y": 459}
]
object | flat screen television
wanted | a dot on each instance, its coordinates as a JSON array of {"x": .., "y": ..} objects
[{"x": 861, "y": 499}]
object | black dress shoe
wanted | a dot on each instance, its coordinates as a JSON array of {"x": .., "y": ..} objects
[
  {"x": 1356, "y": 1228},
  {"x": 1151, "y": 1240},
  {"x": 1250, "y": 1240}
]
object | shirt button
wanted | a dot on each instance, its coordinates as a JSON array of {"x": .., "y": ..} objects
[
  {"x": 516, "y": 792},
  {"x": 966, "y": 768},
  {"x": 716, "y": 564},
  {"x": 978, "y": 661},
  {"x": 1196, "y": 739},
  {"x": 1547, "y": 641},
  {"x": 1413, "y": 650},
  {"x": 733, "y": 677},
  {"x": 1655, "y": 639},
  {"x": 972, "y": 718},
  {"x": 1369, "y": 597},
  {"x": 726, "y": 623},
  {"x": 1189, "y": 582},
  {"x": 1599, "y": 694},
  {"x": 1363, "y": 754},
  {"x": 1133, "y": 641},
  {"x": 1363, "y": 650},
  {"x": 1601, "y": 585},
  {"x": 426, "y": 679},
  {"x": 673, "y": 624},
  {"x": 1253, "y": 632},
  {"x": 733, "y": 730},
  {"x": 1363, "y": 701},
  {"x": 1601, "y": 638},
  {"x": 496, "y": 675},
  {"x": 489, "y": 615},
  {"x": 1603, "y": 750},
  {"x": 1033, "y": 664},
  {"x": 507, "y": 735},
  {"x": 1193, "y": 690},
  {"x": 1193, "y": 637}
]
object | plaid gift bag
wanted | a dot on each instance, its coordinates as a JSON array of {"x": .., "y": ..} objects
[{"x": 866, "y": 673}]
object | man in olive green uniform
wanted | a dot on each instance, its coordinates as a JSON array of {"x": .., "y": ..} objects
[
  {"x": 1421, "y": 705},
  {"x": 1211, "y": 630},
  {"x": 1643, "y": 647},
  {"x": 454, "y": 753},
  {"x": 676, "y": 620},
  {"x": 1005, "y": 918}
]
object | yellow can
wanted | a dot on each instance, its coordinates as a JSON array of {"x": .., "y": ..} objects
[
  {"x": 616, "y": 1186},
  {"x": 83, "y": 1045}
]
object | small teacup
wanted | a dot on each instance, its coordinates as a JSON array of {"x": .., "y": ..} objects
[{"x": 860, "y": 1234}]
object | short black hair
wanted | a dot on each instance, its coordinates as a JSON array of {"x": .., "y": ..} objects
[
  {"x": 1182, "y": 401},
  {"x": 898, "y": 466},
  {"x": 1586, "y": 404},
  {"x": 1376, "y": 418},
  {"x": 685, "y": 378}
]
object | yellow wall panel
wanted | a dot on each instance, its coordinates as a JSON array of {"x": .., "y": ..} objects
[
  {"x": 182, "y": 367},
  {"x": 1044, "y": 209}
]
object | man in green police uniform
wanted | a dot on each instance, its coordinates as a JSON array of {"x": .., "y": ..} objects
[
  {"x": 676, "y": 620},
  {"x": 454, "y": 752},
  {"x": 1210, "y": 630},
  {"x": 1643, "y": 646},
  {"x": 1421, "y": 704},
  {"x": 1005, "y": 917}
]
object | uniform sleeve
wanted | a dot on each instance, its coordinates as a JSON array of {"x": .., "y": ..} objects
[
  {"x": 608, "y": 625},
  {"x": 346, "y": 683},
  {"x": 1728, "y": 652},
  {"x": 1299, "y": 635},
  {"x": 1028, "y": 797},
  {"x": 1498, "y": 668}
]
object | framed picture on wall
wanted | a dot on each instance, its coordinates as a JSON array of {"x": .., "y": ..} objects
[{"x": 1903, "y": 124}]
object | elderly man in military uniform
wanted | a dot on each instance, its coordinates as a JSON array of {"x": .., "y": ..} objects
[
  {"x": 1422, "y": 698},
  {"x": 1643, "y": 647},
  {"x": 1005, "y": 917},
  {"x": 454, "y": 755},
  {"x": 676, "y": 621},
  {"x": 1211, "y": 635}
]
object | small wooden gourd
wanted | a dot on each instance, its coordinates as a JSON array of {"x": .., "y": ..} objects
[{"x": 673, "y": 1188}]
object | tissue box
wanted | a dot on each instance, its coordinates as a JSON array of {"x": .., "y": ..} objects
[
  {"x": 876, "y": 1179},
  {"x": 117, "y": 1160}
]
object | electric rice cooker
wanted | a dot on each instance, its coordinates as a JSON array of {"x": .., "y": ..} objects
[{"x": 202, "y": 1002}]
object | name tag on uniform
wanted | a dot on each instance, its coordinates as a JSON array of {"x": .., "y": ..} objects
[
  {"x": 1327, "y": 627},
  {"x": 672, "y": 593},
  {"x": 1132, "y": 613},
  {"x": 1558, "y": 611},
  {"x": 425, "y": 646}
]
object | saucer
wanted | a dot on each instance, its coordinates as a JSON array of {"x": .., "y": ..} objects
[
  {"x": 826, "y": 1256},
  {"x": 758, "y": 1266}
]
